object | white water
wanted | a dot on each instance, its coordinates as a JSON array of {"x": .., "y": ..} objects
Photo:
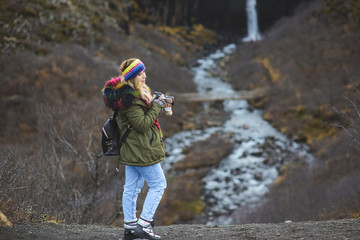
[
  {"x": 241, "y": 179},
  {"x": 252, "y": 22}
]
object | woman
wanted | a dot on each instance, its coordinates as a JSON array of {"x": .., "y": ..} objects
[{"x": 143, "y": 149}]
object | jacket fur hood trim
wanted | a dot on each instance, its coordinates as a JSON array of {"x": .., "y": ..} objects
[{"x": 117, "y": 95}]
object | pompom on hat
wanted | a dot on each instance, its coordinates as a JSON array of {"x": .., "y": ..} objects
[
  {"x": 117, "y": 95},
  {"x": 133, "y": 70}
]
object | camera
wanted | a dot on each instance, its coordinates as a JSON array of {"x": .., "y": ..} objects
[
  {"x": 168, "y": 110},
  {"x": 168, "y": 99}
]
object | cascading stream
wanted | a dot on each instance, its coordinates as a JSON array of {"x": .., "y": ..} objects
[{"x": 242, "y": 178}]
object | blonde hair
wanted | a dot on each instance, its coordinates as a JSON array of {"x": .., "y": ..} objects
[{"x": 144, "y": 91}]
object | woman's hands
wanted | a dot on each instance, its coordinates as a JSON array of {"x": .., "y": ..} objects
[
  {"x": 165, "y": 102},
  {"x": 161, "y": 101}
]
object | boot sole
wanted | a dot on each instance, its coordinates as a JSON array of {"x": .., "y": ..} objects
[
  {"x": 145, "y": 236},
  {"x": 131, "y": 238}
]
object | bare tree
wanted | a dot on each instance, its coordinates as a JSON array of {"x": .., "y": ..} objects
[
  {"x": 349, "y": 119},
  {"x": 66, "y": 175},
  {"x": 13, "y": 184},
  {"x": 73, "y": 167}
]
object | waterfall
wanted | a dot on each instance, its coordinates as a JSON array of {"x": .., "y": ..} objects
[{"x": 252, "y": 22}]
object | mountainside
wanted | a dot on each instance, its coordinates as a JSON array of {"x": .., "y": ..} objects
[
  {"x": 310, "y": 65},
  {"x": 62, "y": 52},
  {"x": 56, "y": 56}
]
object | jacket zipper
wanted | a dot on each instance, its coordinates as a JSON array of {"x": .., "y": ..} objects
[{"x": 152, "y": 139}]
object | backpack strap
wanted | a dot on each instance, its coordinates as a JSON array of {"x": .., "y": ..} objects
[
  {"x": 122, "y": 140},
  {"x": 115, "y": 113},
  {"x": 126, "y": 134}
]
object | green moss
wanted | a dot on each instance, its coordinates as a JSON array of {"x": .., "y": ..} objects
[
  {"x": 317, "y": 129},
  {"x": 300, "y": 112},
  {"x": 344, "y": 11},
  {"x": 196, "y": 206},
  {"x": 96, "y": 22},
  {"x": 314, "y": 124},
  {"x": 198, "y": 34},
  {"x": 41, "y": 51}
]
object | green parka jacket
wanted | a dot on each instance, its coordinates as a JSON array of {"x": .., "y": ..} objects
[{"x": 144, "y": 146}]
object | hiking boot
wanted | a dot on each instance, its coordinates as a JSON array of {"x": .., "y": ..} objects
[
  {"x": 144, "y": 229},
  {"x": 130, "y": 229},
  {"x": 129, "y": 234}
]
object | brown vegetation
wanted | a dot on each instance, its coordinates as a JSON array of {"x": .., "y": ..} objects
[{"x": 55, "y": 59}]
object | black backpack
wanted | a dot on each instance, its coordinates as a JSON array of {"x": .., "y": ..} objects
[{"x": 110, "y": 136}]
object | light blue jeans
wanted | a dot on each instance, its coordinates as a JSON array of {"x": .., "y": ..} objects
[{"x": 134, "y": 181}]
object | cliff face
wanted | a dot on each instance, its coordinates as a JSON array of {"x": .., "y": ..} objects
[
  {"x": 226, "y": 16},
  {"x": 230, "y": 15}
]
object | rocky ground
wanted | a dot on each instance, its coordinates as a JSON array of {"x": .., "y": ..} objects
[{"x": 346, "y": 229}]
